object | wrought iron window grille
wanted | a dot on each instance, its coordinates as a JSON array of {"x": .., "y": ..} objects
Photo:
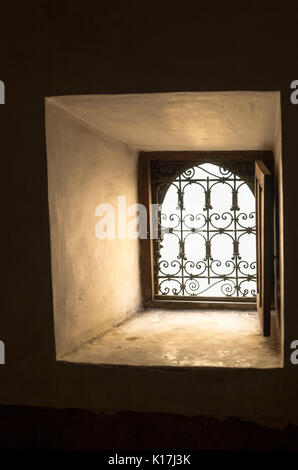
[{"x": 203, "y": 276}]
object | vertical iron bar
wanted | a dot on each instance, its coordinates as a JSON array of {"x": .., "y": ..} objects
[
  {"x": 208, "y": 244},
  {"x": 234, "y": 207},
  {"x": 181, "y": 237}
]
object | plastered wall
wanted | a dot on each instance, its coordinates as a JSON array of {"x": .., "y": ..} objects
[{"x": 95, "y": 281}]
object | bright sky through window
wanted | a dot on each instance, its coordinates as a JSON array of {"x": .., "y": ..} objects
[{"x": 207, "y": 246}]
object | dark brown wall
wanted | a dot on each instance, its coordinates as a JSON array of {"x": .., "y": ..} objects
[
  {"x": 34, "y": 428},
  {"x": 70, "y": 47}
]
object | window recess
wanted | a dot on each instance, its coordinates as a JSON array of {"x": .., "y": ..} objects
[{"x": 214, "y": 238}]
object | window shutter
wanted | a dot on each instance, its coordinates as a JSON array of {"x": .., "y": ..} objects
[{"x": 264, "y": 226}]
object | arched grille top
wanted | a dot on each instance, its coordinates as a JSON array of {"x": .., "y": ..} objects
[{"x": 163, "y": 173}]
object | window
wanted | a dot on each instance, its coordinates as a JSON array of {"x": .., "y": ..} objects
[
  {"x": 214, "y": 241},
  {"x": 207, "y": 244}
]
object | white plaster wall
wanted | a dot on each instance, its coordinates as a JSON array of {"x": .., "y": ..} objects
[
  {"x": 231, "y": 120},
  {"x": 95, "y": 282}
]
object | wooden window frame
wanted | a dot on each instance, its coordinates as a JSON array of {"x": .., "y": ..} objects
[
  {"x": 265, "y": 253},
  {"x": 146, "y": 245}
]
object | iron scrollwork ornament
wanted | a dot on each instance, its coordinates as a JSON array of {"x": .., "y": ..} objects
[{"x": 184, "y": 261}]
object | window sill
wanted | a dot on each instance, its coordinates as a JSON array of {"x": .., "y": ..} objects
[{"x": 201, "y": 304}]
